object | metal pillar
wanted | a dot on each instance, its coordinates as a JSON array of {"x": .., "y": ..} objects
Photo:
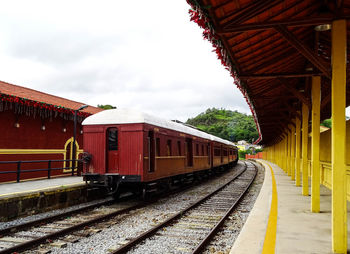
[
  {"x": 315, "y": 144},
  {"x": 305, "y": 180},
  {"x": 297, "y": 151},
  {"x": 339, "y": 209}
]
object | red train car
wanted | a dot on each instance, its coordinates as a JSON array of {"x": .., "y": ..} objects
[{"x": 131, "y": 149}]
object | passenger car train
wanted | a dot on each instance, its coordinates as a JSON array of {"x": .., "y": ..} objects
[{"x": 134, "y": 150}]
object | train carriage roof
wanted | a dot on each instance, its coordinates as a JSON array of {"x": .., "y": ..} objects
[{"x": 129, "y": 116}]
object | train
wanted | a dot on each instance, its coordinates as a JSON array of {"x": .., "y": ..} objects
[{"x": 126, "y": 149}]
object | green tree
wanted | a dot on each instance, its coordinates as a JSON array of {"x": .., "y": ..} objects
[
  {"x": 107, "y": 106},
  {"x": 327, "y": 123},
  {"x": 227, "y": 124}
]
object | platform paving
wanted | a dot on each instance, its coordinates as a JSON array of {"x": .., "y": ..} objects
[
  {"x": 27, "y": 187},
  {"x": 298, "y": 230}
]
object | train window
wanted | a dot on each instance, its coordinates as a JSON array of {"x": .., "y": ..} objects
[
  {"x": 217, "y": 152},
  {"x": 168, "y": 147},
  {"x": 197, "y": 149},
  {"x": 179, "y": 148},
  {"x": 157, "y": 146},
  {"x": 202, "y": 149},
  {"x": 189, "y": 152},
  {"x": 112, "y": 139},
  {"x": 208, "y": 153}
]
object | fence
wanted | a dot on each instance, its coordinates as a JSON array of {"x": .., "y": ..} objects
[
  {"x": 49, "y": 168},
  {"x": 259, "y": 155}
]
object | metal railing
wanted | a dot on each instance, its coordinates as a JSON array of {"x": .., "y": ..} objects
[{"x": 49, "y": 168}]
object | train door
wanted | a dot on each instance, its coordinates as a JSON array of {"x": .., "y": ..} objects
[
  {"x": 151, "y": 152},
  {"x": 112, "y": 150},
  {"x": 189, "y": 152}
]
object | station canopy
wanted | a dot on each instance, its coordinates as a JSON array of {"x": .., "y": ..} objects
[{"x": 272, "y": 49}]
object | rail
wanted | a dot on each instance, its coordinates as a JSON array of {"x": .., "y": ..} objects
[{"x": 49, "y": 168}]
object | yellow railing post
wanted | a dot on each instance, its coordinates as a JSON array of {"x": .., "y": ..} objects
[
  {"x": 297, "y": 151},
  {"x": 315, "y": 144},
  {"x": 292, "y": 155},
  {"x": 305, "y": 179},
  {"x": 339, "y": 209}
]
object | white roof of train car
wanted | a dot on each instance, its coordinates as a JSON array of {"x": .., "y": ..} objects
[{"x": 127, "y": 116}]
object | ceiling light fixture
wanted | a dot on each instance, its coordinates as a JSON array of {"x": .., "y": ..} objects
[{"x": 323, "y": 27}]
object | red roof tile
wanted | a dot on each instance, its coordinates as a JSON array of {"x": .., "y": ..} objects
[{"x": 23, "y": 92}]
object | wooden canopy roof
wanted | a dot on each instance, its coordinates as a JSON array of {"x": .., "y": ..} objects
[{"x": 272, "y": 49}]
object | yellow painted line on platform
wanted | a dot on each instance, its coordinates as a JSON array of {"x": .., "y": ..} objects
[
  {"x": 42, "y": 189},
  {"x": 270, "y": 236}
]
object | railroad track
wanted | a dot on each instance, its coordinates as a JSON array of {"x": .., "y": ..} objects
[
  {"x": 69, "y": 227},
  {"x": 185, "y": 229},
  {"x": 31, "y": 234}
]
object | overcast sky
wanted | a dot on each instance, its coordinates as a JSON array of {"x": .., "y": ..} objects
[{"x": 141, "y": 54}]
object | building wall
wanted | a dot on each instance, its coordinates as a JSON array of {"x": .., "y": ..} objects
[{"x": 30, "y": 142}]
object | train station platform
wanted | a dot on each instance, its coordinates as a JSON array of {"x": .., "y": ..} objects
[
  {"x": 24, "y": 188},
  {"x": 30, "y": 197},
  {"x": 281, "y": 220}
]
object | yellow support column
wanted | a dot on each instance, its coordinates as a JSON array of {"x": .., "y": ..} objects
[
  {"x": 292, "y": 155},
  {"x": 297, "y": 151},
  {"x": 315, "y": 144},
  {"x": 288, "y": 153},
  {"x": 305, "y": 180},
  {"x": 281, "y": 154},
  {"x": 285, "y": 154},
  {"x": 339, "y": 209}
]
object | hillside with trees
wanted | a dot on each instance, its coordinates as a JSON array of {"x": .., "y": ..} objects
[{"x": 227, "y": 124}]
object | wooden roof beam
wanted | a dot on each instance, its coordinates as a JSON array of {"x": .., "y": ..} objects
[
  {"x": 264, "y": 90},
  {"x": 283, "y": 96},
  {"x": 247, "y": 13},
  {"x": 312, "y": 21},
  {"x": 285, "y": 83},
  {"x": 245, "y": 76},
  {"x": 278, "y": 116},
  {"x": 266, "y": 105},
  {"x": 255, "y": 9},
  {"x": 292, "y": 110},
  {"x": 269, "y": 123},
  {"x": 221, "y": 5},
  {"x": 325, "y": 100},
  {"x": 304, "y": 50},
  {"x": 272, "y": 60}
]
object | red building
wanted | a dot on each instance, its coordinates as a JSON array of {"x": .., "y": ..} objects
[{"x": 37, "y": 126}]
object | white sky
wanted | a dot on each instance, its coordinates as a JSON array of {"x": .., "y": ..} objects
[{"x": 141, "y": 54}]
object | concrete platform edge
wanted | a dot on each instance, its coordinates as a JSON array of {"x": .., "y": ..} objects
[{"x": 251, "y": 238}]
